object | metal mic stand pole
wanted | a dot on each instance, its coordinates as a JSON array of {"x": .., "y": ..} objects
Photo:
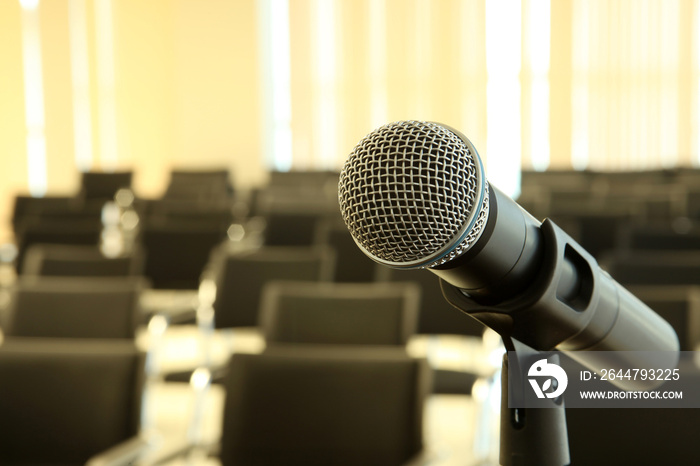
[{"x": 530, "y": 436}]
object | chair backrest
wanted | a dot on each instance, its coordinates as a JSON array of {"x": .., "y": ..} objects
[
  {"x": 104, "y": 185},
  {"x": 679, "y": 306},
  {"x": 240, "y": 277},
  {"x": 29, "y": 206},
  {"x": 201, "y": 185},
  {"x": 352, "y": 265},
  {"x": 290, "y": 229},
  {"x": 653, "y": 267},
  {"x": 79, "y": 260},
  {"x": 56, "y": 231},
  {"x": 64, "y": 401},
  {"x": 436, "y": 316},
  {"x": 615, "y": 436},
  {"x": 339, "y": 313},
  {"x": 324, "y": 406},
  {"x": 60, "y": 307},
  {"x": 175, "y": 253},
  {"x": 647, "y": 237}
]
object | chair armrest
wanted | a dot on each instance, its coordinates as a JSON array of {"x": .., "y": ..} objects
[{"x": 123, "y": 453}]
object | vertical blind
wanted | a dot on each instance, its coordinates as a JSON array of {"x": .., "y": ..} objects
[{"x": 295, "y": 84}]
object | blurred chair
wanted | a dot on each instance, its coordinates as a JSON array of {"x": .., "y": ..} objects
[
  {"x": 653, "y": 267},
  {"x": 317, "y": 180},
  {"x": 56, "y": 231},
  {"x": 290, "y": 229},
  {"x": 660, "y": 237},
  {"x": 103, "y": 308},
  {"x": 241, "y": 275},
  {"x": 30, "y": 207},
  {"x": 351, "y": 265},
  {"x": 339, "y": 313},
  {"x": 102, "y": 186},
  {"x": 320, "y": 407},
  {"x": 176, "y": 252},
  {"x": 679, "y": 306},
  {"x": 213, "y": 213},
  {"x": 199, "y": 185},
  {"x": 64, "y": 402},
  {"x": 597, "y": 231},
  {"x": 436, "y": 315},
  {"x": 437, "y": 318},
  {"x": 79, "y": 261},
  {"x": 615, "y": 436}
]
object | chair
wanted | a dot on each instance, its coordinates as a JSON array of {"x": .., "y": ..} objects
[
  {"x": 56, "y": 231},
  {"x": 319, "y": 407},
  {"x": 176, "y": 252},
  {"x": 679, "y": 306},
  {"x": 437, "y": 318},
  {"x": 436, "y": 315},
  {"x": 29, "y": 207},
  {"x": 214, "y": 213},
  {"x": 615, "y": 436},
  {"x": 653, "y": 267},
  {"x": 290, "y": 229},
  {"x": 199, "y": 185},
  {"x": 76, "y": 260},
  {"x": 64, "y": 401},
  {"x": 352, "y": 265},
  {"x": 103, "y": 185},
  {"x": 339, "y": 313},
  {"x": 240, "y": 277},
  {"x": 665, "y": 237},
  {"x": 69, "y": 308}
]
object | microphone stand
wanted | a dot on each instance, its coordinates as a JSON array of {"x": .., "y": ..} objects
[{"x": 530, "y": 436}]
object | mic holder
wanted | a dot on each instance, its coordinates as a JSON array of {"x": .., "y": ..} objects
[{"x": 535, "y": 436}]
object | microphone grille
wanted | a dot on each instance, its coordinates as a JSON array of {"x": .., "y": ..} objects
[{"x": 409, "y": 191}]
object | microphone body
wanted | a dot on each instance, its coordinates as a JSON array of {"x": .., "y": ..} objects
[{"x": 526, "y": 280}]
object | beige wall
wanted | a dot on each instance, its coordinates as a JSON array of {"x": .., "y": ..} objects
[{"x": 186, "y": 87}]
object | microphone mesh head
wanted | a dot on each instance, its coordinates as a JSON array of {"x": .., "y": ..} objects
[{"x": 409, "y": 192}]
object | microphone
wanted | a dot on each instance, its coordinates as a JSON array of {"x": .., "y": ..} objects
[{"x": 413, "y": 195}]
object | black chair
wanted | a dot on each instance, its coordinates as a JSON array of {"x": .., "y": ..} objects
[
  {"x": 30, "y": 207},
  {"x": 76, "y": 261},
  {"x": 339, "y": 313},
  {"x": 653, "y": 267},
  {"x": 679, "y": 306},
  {"x": 643, "y": 436},
  {"x": 659, "y": 237},
  {"x": 200, "y": 185},
  {"x": 436, "y": 315},
  {"x": 319, "y": 407},
  {"x": 290, "y": 229},
  {"x": 66, "y": 402},
  {"x": 351, "y": 265},
  {"x": 103, "y": 186},
  {"x": 212, "y": 213},
  {"x": 241, "y": 275},
  {"x": 56, "y": 231},
  {"x": 304, "y": 179},
  {"x": 175, "y": 253},
  {"x": 436, "y": 318},
  {"x": 83, "y": 308}
]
